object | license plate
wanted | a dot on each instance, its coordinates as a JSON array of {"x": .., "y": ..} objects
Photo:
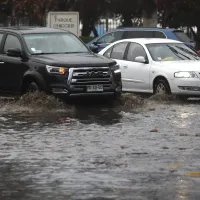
[{"x": 95, "y": 88}]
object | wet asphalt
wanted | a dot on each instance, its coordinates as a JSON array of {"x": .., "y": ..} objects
[{"x": 101, "y": 154}]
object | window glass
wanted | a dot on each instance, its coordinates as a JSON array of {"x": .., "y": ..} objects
[
  {"x": 171, "y": 52},
  {"x": 108, "y": 53},
  {"x": 12, "y": 42},
  {"x": 144, "y": 34},
  {"x": 1, "y": 37},
  {"x": 182, "y": 36},
  {"x": 159, "y": 34},
  {"x": 47, "y": 43},
  {"x": 111, "y": 37},
  {"x": 139, "y": 34},
  {"x": 119, "y": 50},
  {"x": 134, "y": 51}
]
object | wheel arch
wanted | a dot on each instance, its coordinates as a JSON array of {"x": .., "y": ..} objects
[
  {"x": 160, "y": 77},
  {"x": 33, "y": 76}
]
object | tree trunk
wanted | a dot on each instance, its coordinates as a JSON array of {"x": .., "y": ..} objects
[
  {"x": 150, "y": 20},
  {"x": 198, "y": 38},
  {"x": 127, "y": 21},
  {"x": 95, "y": 31},
  {"x": 86, "y": 27}
]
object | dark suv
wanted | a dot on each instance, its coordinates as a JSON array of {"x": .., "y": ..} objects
[{"x": 54, "y": 61}]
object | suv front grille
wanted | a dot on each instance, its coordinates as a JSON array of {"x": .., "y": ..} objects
[{"x": 80, "y": 78}]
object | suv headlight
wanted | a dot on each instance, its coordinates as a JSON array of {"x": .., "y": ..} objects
[
  {"x": 185, "y": 75},
  {"x": 56, "y": 70},
  {"x": 115, "y": 68}
]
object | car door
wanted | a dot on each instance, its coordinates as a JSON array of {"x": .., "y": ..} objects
[
  {"x": 108, "y": 39},
  {"x": 136, "y": 75},
  {"x": 10, "y": 67}
]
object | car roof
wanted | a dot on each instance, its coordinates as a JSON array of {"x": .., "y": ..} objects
[
  {"x": 29, "y": 29},
  {"x": 150, "y": 40},
  {"x": 147, "y": 29}
]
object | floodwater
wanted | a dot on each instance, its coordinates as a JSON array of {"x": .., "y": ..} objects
[{"x": 99, "y": 153}]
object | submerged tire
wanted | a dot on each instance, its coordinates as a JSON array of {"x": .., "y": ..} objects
[
  {"x": 32, "y": 87},
  {"x": 162, "y": 87}
]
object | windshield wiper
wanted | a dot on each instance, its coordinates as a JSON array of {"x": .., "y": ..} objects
[
  {"x": 44, "y": 53},
  {"x": 189, "y": 52},
  {"x": 178, "y": 53},
  {"x": 75, "y": 52}
]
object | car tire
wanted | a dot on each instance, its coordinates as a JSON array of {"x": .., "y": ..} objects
[
  {"x": 162, "y": 87},
  {"x": 32, "y": 87}
]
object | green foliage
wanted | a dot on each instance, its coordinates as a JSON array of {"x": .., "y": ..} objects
[
  {"x": 172, "y": 13},
  {"x": 86, "y": 39}
]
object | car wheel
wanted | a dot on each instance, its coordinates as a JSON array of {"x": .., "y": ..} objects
[
  {"x": 32, "y": 87},
  {"x": 162, "y": 87}
]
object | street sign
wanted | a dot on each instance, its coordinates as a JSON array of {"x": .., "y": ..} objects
[{"x": 64, "y": 20}]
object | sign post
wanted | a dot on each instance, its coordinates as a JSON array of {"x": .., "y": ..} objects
[{"x": 64, "y": 20}]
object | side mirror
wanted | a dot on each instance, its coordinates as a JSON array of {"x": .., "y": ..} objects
[
  {"x": 95, "y": 43},
  {"x": 140, "y": 59},
  {"x": 14, "y": 52}
]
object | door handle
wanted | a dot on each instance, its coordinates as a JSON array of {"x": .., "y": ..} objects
[
  {"x": 125, "y": 67},
  {"x": 1, "y": 62}
]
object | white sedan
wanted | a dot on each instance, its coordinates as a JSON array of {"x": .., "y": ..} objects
[{"x": 156, "y": 66}]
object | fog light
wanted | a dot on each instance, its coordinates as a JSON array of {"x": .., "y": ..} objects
[
  {"x": 189, "y": 88},
  {"x": 59, "y": 91}
]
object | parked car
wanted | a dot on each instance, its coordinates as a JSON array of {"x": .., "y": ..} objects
[
  {"x": 156, "y": 66},
  {"x": 54, "y": 61},
  {"x": 101, "y": 42}
]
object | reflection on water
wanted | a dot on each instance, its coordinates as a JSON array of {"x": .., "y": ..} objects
[
  {"x": 99, "y": 115},
  {"x": 182, "y": 190}
]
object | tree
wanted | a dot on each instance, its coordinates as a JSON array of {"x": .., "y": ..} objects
[
  {"x": 149, "y": 8},
  {"x": 177, "y": 13},
  {"x": 5, "y": 10},
  {"x": 90, "y": 12},
  {"x": 37, "y": 10},
  {"x": 126, "y": 9}
]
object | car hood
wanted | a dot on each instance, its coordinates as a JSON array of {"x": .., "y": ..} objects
[
  {"x": 181, "y": 65},
  {"x": 73, "y": 60}
]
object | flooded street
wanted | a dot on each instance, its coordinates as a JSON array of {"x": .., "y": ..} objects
[{"x": 102, "y": 154}]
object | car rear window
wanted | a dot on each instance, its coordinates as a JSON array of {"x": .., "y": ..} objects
[{"x": 182, "y": 36}]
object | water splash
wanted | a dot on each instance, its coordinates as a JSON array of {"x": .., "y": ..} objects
[{"x": 34, "y": 103}]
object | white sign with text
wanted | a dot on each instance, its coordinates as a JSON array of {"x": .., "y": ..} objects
[{"x": 64, "y": 20}]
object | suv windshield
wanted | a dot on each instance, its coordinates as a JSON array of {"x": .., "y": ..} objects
[
  {"x": 171, "y": 52},
  {"x": 50, "y": 43}
]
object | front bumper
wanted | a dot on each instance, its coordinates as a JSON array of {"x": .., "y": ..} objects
[
  {"x": 79, "y": 78},
  {"x": 185, "y": 86}
]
